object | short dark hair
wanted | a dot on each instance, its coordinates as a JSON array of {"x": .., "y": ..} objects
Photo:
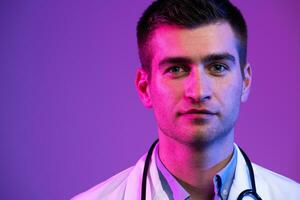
[{"x": 189, "y": 14}]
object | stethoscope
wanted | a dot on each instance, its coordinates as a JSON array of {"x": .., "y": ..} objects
[{"x": 249, "y": 192}]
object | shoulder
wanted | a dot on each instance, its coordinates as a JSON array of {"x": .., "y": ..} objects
[
  {"x": 120, "y": 186},
  {"x": 112, "y": 188},
  {"x": 278, "y": 186}
]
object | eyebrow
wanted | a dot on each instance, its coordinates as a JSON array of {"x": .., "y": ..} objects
[
  {"x": 175, "y": 60},
  {"x": 218, "y": 56},
  {"x": 207, "y": 59}
]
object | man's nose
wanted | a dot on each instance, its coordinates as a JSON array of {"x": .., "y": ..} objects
[{"x": 198, "y": 87}]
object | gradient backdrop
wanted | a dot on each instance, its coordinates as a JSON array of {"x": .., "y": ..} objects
[{"x": 70, "y": 115}]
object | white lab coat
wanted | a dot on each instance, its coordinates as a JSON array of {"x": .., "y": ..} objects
[{"x": 127, "y": 184}]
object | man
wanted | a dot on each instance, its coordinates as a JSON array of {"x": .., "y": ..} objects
[{"x": 194, "y": 75}]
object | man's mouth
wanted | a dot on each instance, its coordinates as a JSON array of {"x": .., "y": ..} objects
[{"x": 197, "y": 112}]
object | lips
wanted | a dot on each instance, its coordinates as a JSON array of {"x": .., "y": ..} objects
[{"x": 197, "y": 112}]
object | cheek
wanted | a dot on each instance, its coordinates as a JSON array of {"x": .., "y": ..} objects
[
  {"x": 230, "y": 92},
  {"x": 165, "y": 96},
  {"x": 233, "y": 92}
]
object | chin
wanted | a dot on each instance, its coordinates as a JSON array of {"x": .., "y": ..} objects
[{"x": 201, "y": 138}]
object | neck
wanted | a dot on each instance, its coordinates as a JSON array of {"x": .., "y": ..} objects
[{"x": 194, "y": 168}]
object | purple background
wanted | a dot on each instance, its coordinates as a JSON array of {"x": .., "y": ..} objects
[{"x": 70, "y": 115}]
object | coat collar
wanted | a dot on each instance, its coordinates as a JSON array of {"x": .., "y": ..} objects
[
  {"x": 241, "y": 179},
  {"x": 155, "y": 190}
]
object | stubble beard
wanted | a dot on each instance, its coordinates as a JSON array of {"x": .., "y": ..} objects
[{"x": 204, "y": 137}]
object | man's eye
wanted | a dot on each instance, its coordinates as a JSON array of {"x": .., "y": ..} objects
[
  {"x": 177, "y": 70},
  {"x": 218, "y": 68}
]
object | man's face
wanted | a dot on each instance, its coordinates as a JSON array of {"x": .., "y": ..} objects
[{"x": 196, "y": 83}]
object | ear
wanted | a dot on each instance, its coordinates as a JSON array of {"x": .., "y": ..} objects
[
  {"x": 142, "y": 85},
  {"x": 246, "y": 82}
]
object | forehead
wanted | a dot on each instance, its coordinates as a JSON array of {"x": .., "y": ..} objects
[{"x": 174, "y": 41}]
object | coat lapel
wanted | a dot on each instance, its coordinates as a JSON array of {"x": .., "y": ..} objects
[
  {"x": 241, "y": 179},
  {"x": 134, "y": 182}
]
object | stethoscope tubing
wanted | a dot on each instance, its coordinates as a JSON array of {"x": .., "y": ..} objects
[
  {"x": 146, "y": 167},
  {"x": 249, "y": 192}
]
